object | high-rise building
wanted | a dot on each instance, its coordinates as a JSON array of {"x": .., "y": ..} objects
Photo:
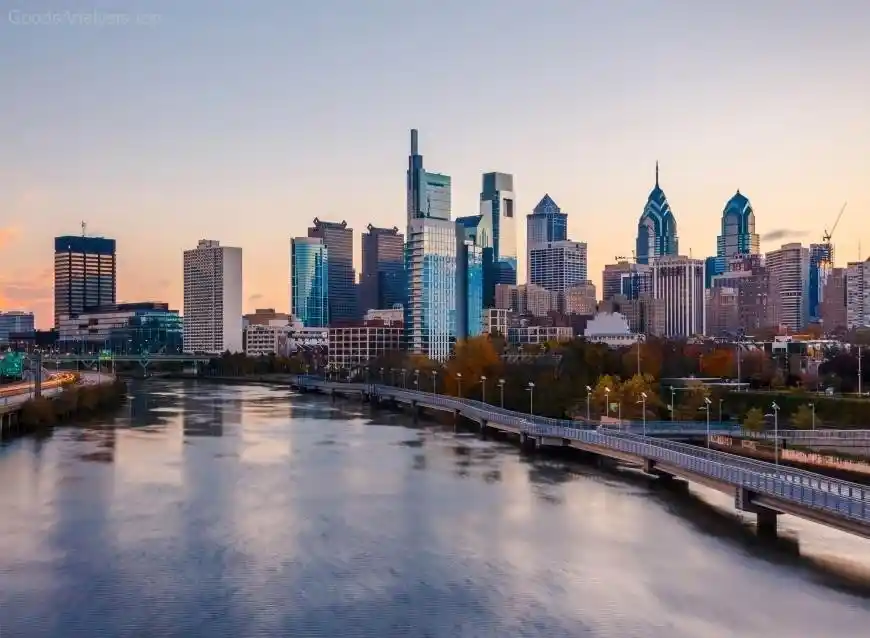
[
  {"x": 678, "y": 286},
  {"x": 546, "y": 223},
  {"x": 338, "y": 239},
  {"x": 738, "y": 232},
  {"x": 15, "y": 322},
  {"x": 382, "y": 284},
  {"x": 833, "y": 305},
  {"x": 212, "y": 298},
  {"x": 657, "y": 228},
  {"x": 738, "y": 298},
  {"x": 821, "y": 265},
  {"x": 526, "y": 299},
  {"x": 469, "y": 287},
  {"x": 581, "y": 300},
  {"x": 84, "y": 274},
  {"x": 557, "y": 266},
  {"x": 627, "y": 279},
  {"x": 309, "y": 281},
  {"x": 858, "y": 294},
  {"x": 497, "y": 201},
  {"x": 430, "y": 261},
  {"x": 788, "y": 294}
]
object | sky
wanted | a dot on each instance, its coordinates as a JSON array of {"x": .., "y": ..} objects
[{"x": 164, "y": 122}]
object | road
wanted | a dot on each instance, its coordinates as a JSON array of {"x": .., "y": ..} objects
[{"x": 16, "y": 394}]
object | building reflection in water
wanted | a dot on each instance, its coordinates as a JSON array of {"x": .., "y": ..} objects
[{"x": 203, "y": 415}]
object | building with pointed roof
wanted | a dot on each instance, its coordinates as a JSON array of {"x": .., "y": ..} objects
[
  {"x": 738, "y": 231},
  {"x": 546, "y": 223},
  {"x": 657, "y": 228}
]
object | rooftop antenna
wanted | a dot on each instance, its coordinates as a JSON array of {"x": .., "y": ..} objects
[{"x": 84, "y": 229}]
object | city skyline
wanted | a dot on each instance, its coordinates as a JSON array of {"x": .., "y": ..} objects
[{"x": 158, "y": 165}]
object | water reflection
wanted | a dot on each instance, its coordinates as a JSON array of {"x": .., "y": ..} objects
[{"x": 249, "y": 511}]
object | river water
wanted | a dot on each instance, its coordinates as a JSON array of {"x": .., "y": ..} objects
[{"x": 209, "y": 510}]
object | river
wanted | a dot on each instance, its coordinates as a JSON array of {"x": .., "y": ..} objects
[{"x": 241, "y": 511}]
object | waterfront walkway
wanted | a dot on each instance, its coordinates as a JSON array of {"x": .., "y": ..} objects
[{"x": 763, "y": 488}]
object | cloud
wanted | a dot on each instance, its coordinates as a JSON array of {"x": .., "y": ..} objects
[{"x": 783, "y": 233}]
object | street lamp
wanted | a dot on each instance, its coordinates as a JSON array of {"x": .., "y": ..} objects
[
  {"x": 483, "y": 388},
  {"x": 775, "y": 433},
  {"x": 417, "y": 379},
  {"x": 707, "y": 406},
  {"x": 673, "y": 392},
  {"x": 434, "y": 381},
  {"x": 643, "y": 402},
  {"x": 501, "y": 388},
  {"x": 588, "y": 410},
  {"x": 813, "y": 408},
  {"x": 531, "y": 398},
  {"x": 720, "y": 411},
  {"x": 404, "y": 372},
  {"x": 607, "y": 402},
  {"x": 382, "y": 375},
  {"x": 459, "y": 384}
]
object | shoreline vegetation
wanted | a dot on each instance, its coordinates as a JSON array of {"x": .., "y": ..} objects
[{"x": 74, "y": 402}]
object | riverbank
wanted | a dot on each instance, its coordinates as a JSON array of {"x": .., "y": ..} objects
[{"x": 73, "y": 403}]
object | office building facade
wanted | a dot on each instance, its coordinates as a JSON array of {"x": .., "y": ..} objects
[
  {"x": 338, "y": 240},
  {"x": 678, "y": 287},
  {"x": 557, "y": 266},
  {"x": 834, "y": 301},
  {"x": 309, "y": 281},
  {"x": 738, "y": 235},
  {"x": 497, "y": 201},
  {"x": 858, "y": 295},
  {"x": 788, "y": 272},
  {"x": 821, "y": 266},
  {"x": 657, "y": 228},
  {"x": 546, "y": 223},
  {"x": 470, "y": 278},
  {"x": 382, "y": 284},
  {"x": 213, "y": 298},
  {"x": 15, "y": 322},
  {"x": 85, "y": 274},
  {"x": 127, "y": 329},
  {"x": 626, "y": 279}
]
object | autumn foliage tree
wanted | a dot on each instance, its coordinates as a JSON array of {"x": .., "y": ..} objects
[
  {"x": 474, "y": 358},
  {"x": 719, "y": 363}
]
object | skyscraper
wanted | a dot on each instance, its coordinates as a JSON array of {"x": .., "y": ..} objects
[
  {"x": 788, "y": 296},
  {"x": 546, "y": 223},
  {"x": 338, "y": 239},
  {"x": 383, "y": 268},
  {"x": 821, "y": 266},
  {"x": 657, "y": 228},
  {"x": 738, "y": 231},
  {"x": 309, "y": 281},
  {"x": 212, "y": 298},
  {"x": 557, "y": 266},
  {"x": 430, "y": 261},
  {"x": 858, "y": 294},
  {"x": 469, "y": 287},
  {"x": 84, "y": 274},
  {"x": 678, "y": 287},
  {"x": 497, "y": 201}
]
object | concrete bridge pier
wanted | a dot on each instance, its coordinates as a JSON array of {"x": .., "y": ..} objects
[
  {"x": 528, "y": 443},
  {"x": 765, "y": 517},
  {"x": 483, "y": 426},
  {"x": 415, "y": 411}
]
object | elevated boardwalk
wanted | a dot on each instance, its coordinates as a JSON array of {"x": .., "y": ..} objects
[{"x": 765, "y": 489}]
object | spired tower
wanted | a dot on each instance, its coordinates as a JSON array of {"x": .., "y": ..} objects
[
  {"x": 738, "y": 231},
  {"x": 657, "y": 228}
]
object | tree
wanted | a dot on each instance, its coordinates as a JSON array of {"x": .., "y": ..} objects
[
  {"x": 754, "y": 420},
  {"x": 474, "y": 358},
  {"x": 803, "y": 418},
  {"x": 601, "y": 397},
  {"x": 719, "y": 363},
  {"x": 631, "y": 393}
]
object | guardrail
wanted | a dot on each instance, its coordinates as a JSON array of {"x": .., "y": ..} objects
[{"x": 815, "y": 491}]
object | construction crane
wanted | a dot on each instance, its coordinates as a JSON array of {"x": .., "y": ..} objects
[{"x": 826, "y": 238}]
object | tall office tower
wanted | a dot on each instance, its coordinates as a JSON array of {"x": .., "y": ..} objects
[
  {"x": 212, "y": 298},
  {"x": 632, "y": 281},
  {"x": 338, "y": 239},
  {"x": 738, "y": 232},
  {"x": 557, "y": 266},
  {"x": 821, "y": 265},
  {"x": 497, "y": 201},
  {"x": 738, "y": 298},
  {"x": 678, "y": 287},
  {"x": 382, "y": 284},
  {"x": 858, "y": 294},
  {"x": 85, "y": 274},
  {"x": 788, "y": 298},
  {"x": 430, "y": 261},
  {"x": 546, "y": 223},
  {"x": 309, "y": 281},
  {"x": 469, "y": 287},
  {"x": 657, "y": 228},
  {"x": 832, "y": 309}
]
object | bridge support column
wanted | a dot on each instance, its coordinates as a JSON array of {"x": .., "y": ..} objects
[
  {"x": 483, "y": 425},
  {"x": 765, "y": 517},
  {"x": 415, "y": 411},
  {"x": 528, "y": 443}
]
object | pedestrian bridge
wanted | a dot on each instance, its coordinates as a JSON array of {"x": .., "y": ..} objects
[{"x": 765, "y": 489}]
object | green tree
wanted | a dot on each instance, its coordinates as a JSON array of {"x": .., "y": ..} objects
[
  {"x": 803, "y": 418},
  {"x": 754, "y": 420}
]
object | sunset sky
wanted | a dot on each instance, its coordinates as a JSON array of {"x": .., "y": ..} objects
[{"x": 242, "y": 121}]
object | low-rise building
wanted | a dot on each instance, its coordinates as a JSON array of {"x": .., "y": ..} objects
[
  {"x": 612, "y": 329},
  {"x": 123, "y": 329},
  {"x": 15, "y": 321},
  {"x": 353, "y": 346},
  {"x": 522, "y": 335}
]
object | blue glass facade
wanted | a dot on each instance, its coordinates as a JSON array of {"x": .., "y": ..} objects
[
  {"x": 338, "y": 239},
  {"x": 144, "y": 328},
  {"x": 738, "y": 232},
  {"x": 546, "y": 223},
  {"x": 309, "y": 281},
  {"x": 657, "y": 228},
  {"x": 383, "y": 269},
  {"x": 470, "y": 278},
  {"x": 428, "y": 194},
  {"x": 821, "y": 266},
  {"x": 497, "y": 202}
]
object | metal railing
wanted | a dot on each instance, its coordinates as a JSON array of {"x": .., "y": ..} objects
[{"x": 815, "y": 491}]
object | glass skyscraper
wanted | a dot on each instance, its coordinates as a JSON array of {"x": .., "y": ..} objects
[
  {"x": 546, "y": 223},
  {"x": 338, "y": 239},
  {"x": 84, "y": 274},
  {"x": 309, "y": 281},
  {"x": 497, "y": 203},
  {"x": 470, "y": 278},
  {"x": 383, "y": 268},
  {"x": 738, "y": 232},
  {"x": 657, "y": 228},
  {"x": 821, "y": 267},
  {"x": 430, "y": 261}
]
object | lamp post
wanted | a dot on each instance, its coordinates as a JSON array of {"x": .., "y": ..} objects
[
  {"x": 588, "y": 409},
  {"x": 775, "y": 433},
  {"x": 404, "y": 372},
  {"x": 434, "y": 381},
  {"x": 483, "y": 388},
  {"x": 673, "y": 392},
  {"x": 501, "y": 388},
  {"x": 643, "y": 407},
  {"x": 813, "y": 408},
  {"x": 382, "y": 375},
  {"x": 707, "y": 406},
  {"x": 720, "y": 410},
  {"x": 607, "y": 402},
  {"x": 531, "y": 398},
  {"x": 459, "y": 384},
  {"x": 417, "y": 379}
]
